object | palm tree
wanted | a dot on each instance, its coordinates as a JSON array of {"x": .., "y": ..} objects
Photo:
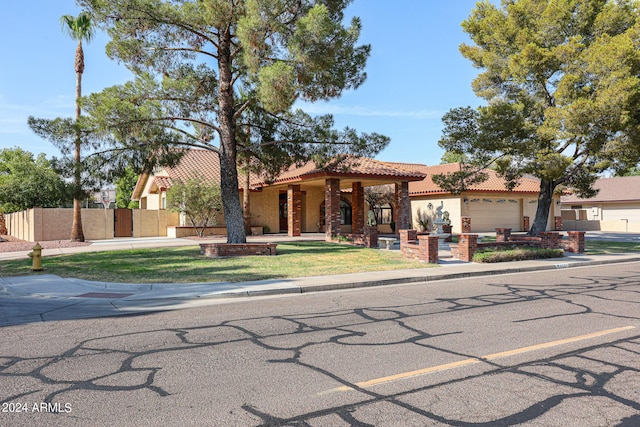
[{"x": 79, "y": 29}]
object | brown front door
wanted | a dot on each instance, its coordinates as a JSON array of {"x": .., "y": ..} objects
[
  {"x": 284, "y": 213},
  {"x": 123, "y": 222}
]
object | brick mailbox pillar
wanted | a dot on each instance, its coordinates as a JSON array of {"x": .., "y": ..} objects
[
  {"x": 466, "y": 224},
  {"x": 467, "y": 246},
  {"x": 575, "y": 242},
  {"x": 428, "y": 249},
  {"x": 503, "y": 234},
  {"x": 525, "y": 223},
  {"x": 550, "y": 240},
  {"x": 557, "y": 223}
]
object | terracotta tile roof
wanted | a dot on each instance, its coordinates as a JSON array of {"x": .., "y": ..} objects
[
  {"x": 493, "y": 184},
  {"x": 618, "y": 189},
  {"x": 351, "y": 167},
  {"x": 206, "y": 164},
  {"x": 415, "y": 167},
  {"x": 203, "y": 163},
  {"x": 162, "y": 182}
]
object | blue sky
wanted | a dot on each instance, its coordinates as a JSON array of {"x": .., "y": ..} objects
[{"x": 415, "y": 73}]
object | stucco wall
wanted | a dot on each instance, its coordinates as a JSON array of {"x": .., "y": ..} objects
[
  {"x": 41, "y": 224},
  {"x": 147, "y": 223},
  {"x": 312, "y": 201},
  {"x": 264, "y": 209}
]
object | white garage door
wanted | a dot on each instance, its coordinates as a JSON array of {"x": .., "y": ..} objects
[{"x": 487, "y": 214}]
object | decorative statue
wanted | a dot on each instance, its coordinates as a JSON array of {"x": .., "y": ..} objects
[
  {"x": 445, "y": 217},
  {"x": 371, "y": 219},
  {"x": 439, "y": 211}
]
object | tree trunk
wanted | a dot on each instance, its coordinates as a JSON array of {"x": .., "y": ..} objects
[
  {"x": 77, "y": 235},
  {"x": 228, "y": 152},
  {"x": 545, "y": 198},
  {"x": 246, "y": 203}
]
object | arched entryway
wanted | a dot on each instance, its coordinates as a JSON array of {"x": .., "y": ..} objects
[{"x": 346, "y": 213}]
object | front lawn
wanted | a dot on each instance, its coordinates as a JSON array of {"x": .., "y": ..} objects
[{"x": 185, "y": 264}]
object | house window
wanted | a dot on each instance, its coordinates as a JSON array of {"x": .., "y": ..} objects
[
  {"x": 384, "y": 214},
  {"x": 345, "y": 213},
  {"x": 163, "y": 202}
]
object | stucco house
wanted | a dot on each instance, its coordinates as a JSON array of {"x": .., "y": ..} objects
[
  {"x": 616, "y": 207},
  {"x": 295, "y": 202},
  {"x": 301, "y": 199},
  {"x": 484, "y": 206}
]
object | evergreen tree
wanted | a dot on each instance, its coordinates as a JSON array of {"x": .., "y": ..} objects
[
  {"x": 224, "y": 75},
  {"x": 562, "y": 85}
]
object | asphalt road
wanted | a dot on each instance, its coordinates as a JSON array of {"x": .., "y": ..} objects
[{"x": 557, "y": 348}]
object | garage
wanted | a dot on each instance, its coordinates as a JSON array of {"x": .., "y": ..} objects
[{"x": 487, "y": 214}]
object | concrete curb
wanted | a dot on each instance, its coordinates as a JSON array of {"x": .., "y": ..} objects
[{"x": 461, "y": 275}]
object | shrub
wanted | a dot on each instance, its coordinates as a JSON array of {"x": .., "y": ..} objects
[{"x": 518, "y": 254}]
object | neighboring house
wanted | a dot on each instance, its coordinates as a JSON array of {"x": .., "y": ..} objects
[
  {"x": 616, "y": 207},
  {"x": 295, "y": 202},
  {"x": 488, "y": 205}
]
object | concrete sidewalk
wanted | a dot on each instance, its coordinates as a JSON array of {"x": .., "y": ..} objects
[{"x": 43, "y": 297}]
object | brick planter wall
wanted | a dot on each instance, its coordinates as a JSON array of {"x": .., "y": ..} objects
[
  {"x": 368, "y": 239},
  {"x": 215, "y": 250},
  {"x": 550, "y": 240},
  {"x": 419, "y": 246}
]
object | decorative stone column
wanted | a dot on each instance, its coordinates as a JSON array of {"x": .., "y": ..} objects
[
  {"x": 357, "y": 208},
  {"x": 332, "y": 208},
  {"x": 294, "y": 210}
]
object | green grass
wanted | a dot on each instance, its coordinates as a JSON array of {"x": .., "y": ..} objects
[
  {"x": 594, "y": 247},
  {"x": 185, "y": 264}
]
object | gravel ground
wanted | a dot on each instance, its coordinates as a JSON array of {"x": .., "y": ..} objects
[{"x": 11, "y": 244}]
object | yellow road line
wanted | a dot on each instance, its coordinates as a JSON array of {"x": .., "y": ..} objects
[{"x": 471, "y": 361}]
